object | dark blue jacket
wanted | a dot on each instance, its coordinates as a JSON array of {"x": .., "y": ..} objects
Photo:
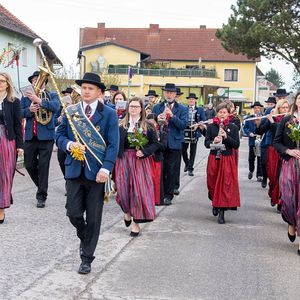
[
  {"x": 200, "y": 116},
  {"x": 267, "y": 138},
  {"x": 44, "y": 132},
  {"x": 249, "y": 127},
  {"x": 104, "y": 118},
  {"x": 176, "y": 125}
]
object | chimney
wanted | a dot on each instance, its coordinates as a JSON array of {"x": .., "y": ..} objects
[
  {"x": 202, "y": 26},
  {"x": 100, "y": 32},
  {"x": 154, "y": 29}
]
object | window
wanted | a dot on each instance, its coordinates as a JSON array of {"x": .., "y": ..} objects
[
  {"x": 230, "y": 75},
  {"x": 24, "y": 57}
]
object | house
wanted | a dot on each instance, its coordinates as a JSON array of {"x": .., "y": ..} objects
[
  {"x": 16, "y": 44},
  {"x": 192, "y": 58}
]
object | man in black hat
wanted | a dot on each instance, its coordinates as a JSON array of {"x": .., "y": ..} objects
[
  {"x": 281, "y": 94},
  {"x": 250, "y": 128},
  {"x": 39, "y": 112},
  {"x": 86, "y": 180},
  {"x": 196, "y": 115},
  {"x": 152, "y": 98},
  {"x": 175, "y": 116},
  {"x": 113, "y": 90}
]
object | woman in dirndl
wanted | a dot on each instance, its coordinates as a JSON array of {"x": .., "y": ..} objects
[
  {"x": 11, "y": 141},
  {"x": 289, "y": 149},
  {"x": 133, "y": 173},
  {"x": 222, "y": 169},
  {"x": 274, "y": 160}
]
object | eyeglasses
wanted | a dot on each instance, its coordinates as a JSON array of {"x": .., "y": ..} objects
[
  {"x": 134, "y": 106},
  {"x": 2, "y": 81}
]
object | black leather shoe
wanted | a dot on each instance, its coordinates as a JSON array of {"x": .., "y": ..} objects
[
  {"x": 221, "y": 219},
  {"x": 279, "y": 208},
  {"x": 84, "y": 268},
  {"x": 185, "y": 168},
  {"x": 190, "y": 173},
  {"x": 134, "y": 234},
  {"x": 40, "y": 203},
  {"x": 167, "y": 201},
  {"x": 2, "y": 221},
  {"x": 298, "y": 251},
  {"x": 250, "y": 175},
  {"x": 292, "y": 237},
  {"x": 176, "y": 192},
  {"x": 127, "y": 223},
  {"x": 264, "y": 184},
  {"x": 272, "y": 204},
  {"x": 215, "y": 211},
  {"x": 259, "y": 179}
]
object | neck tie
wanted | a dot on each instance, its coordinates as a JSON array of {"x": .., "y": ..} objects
[{"x": 88, "y": 111}]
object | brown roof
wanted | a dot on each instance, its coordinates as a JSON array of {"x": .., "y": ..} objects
[
  {"x": 164, "y": 43},
  {"x": 12, "y": 23}
]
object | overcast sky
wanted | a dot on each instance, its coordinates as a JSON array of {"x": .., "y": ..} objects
[{"x": 58, "y": 21}]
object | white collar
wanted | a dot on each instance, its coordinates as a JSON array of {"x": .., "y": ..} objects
[{"x": 5, "y": 95}]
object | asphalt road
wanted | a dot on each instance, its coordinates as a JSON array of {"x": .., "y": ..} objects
[{"x": 183, "y": 254}]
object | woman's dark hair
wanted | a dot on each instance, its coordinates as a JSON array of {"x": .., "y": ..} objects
[
  {"x": 294, "y": 106},
  {"x": 223, "y": 105}
]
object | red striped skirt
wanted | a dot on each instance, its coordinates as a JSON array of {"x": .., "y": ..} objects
[
  {"x": 134, "y": 184},
  {"x": 222, "y": 181},
  {"x": 156, "y": 173},
  {"x": 290, "y": 192},
  {"x": 8, "y": 155},
  {"x": 273, "y": 165}
]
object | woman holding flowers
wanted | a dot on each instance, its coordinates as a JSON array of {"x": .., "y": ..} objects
[
  {"x": 133, "y": 174},
  {"x": 286, "y": 142}
]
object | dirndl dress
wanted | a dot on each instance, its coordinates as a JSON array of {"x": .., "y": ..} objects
[
  {"x": 134, "y": 184},
  {"x": 8, "y": 155}
]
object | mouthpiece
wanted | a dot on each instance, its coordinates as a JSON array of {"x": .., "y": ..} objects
[{"x": 37, "y": 42}]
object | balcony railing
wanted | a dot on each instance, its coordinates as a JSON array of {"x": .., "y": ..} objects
[{"x": 164, "y": 72}]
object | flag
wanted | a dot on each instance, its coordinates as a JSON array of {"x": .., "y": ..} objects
[
  {"x": 200, "y": 101},
  {"x": 130, "y": 73}
]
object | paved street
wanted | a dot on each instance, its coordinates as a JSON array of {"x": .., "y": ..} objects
[{"x": 184, "y": 254}]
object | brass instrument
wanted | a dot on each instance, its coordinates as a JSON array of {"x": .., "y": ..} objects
[
  {"x": 42, "y": 116},
  {"x": 76, "y": 153},
  {"x": 76, "y": 94}
]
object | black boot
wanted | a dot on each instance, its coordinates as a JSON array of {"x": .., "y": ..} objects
[{"x": 221, "y": 219}]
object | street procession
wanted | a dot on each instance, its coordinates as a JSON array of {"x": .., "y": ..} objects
[{"x": 164, "y": 163}]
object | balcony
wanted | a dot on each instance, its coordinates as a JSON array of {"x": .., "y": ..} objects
[{"x": 163, "y": 72}]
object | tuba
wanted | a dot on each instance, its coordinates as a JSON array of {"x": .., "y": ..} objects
[{"x": 42, "y": 116}]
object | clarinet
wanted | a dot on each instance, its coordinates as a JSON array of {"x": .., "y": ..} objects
[{"x": 218, "y": 155}]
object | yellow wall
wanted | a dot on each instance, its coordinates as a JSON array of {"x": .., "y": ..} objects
[{"x": 113, "y": 55}]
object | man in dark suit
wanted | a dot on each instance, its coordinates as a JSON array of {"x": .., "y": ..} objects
[
  {"x": 97, "y": 126},
  {"x": 175, "y": 116},
  {"x": 39, "y": 138},
  {"x": 196, "y": 115}
]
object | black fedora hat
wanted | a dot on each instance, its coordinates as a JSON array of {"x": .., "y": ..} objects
[
  {"x": 192, "y": 95},
  {"x": 169, "y": 87},
  {"x": 256, "y": 103},
  {"x": 67, "y": 90},
  {"x": 35, "y": 74},
  {"x": 151, "y": 93},
  {"x": 91, "y": 78},
  {"x": 281, "y": 93},
  {"x": 271, "y": 100},
  {"x": 178, "y": 92},
  {"x": 113, "y": 87}
]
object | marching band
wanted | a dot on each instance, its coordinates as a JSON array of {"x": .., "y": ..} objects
[{"x": 139, "y": 146}]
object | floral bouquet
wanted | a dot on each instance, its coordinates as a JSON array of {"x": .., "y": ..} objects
[
  {"x": 137, "y": 139},
  {"x": 294, "y": 135}
]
